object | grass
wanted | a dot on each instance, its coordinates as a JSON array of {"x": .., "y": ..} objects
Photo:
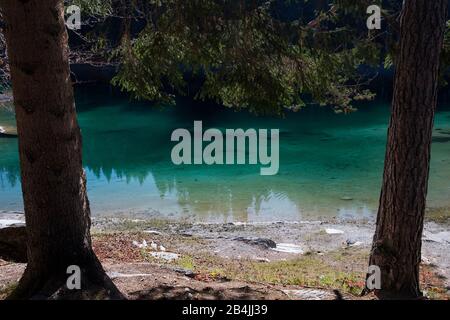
[
  {"x": 343, "y": 269},
  {"x": 435, "y": 293},
  {"x": 186, "y": 262},
  {"x": 307, "y": 271},
  {"x": 311, "y": 270}
]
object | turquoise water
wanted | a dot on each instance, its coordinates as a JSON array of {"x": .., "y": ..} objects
[{"x": 325, "y": 160}]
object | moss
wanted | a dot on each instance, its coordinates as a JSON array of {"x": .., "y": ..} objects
[
  {"x": 7, "y": 289},
  {"x": 439, "y": 215},
  {"x": 186, "y": 262},
  {"x": 435, "y": 293}
]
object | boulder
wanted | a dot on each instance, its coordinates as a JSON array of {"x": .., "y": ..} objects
[
  {"x": 13, "y": 243},
  {"x": 262, "y": 242}
]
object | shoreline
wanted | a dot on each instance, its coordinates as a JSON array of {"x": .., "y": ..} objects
[{"x": 288, "y": 257}]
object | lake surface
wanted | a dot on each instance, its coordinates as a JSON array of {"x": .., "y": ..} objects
[{"x": 330, "y": 164}]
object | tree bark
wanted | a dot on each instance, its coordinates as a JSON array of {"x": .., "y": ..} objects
[
  {"x": 53, "y": 181},
  {"x": 397, "y": 242}
]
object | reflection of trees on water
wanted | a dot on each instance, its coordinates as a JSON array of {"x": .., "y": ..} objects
[
  {"x": 9, "y": 158},
  {"x": 9, "y": 176},
  {"x": 218, "y": 190},
  {"x": 139, "y": 150},
  {"x": 112, "y": 156},
  {"x": 236, "y": 192}
]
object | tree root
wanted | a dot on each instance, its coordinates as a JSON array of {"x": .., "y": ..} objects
[{"x": 95, "y": 285}]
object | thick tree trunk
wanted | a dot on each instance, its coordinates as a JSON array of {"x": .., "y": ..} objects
[
  {"x": 397, "y": 243},
  {"x": 53, "y": 182}
]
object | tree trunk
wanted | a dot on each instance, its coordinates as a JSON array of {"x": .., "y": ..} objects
[
  {"x": 398, "y": 238},
  {"x": 53, "y": 181}
]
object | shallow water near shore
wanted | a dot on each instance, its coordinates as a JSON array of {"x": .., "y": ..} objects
[{"x": 330, "y": 164}]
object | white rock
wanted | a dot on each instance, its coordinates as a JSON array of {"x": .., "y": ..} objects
[
  {"x": 333, "y": 231},
  {"x": 440, "y": 237},
  {"x": 355, "y": 244},
  {"x": 8, "y": 222},
  {"x": 261, "y": 259},
  {"x": 140, "y": 245},
  {"x": 168, "y": 256},
  {"x": 114, "y": 275},
  {"x": 288, "y": 248},
  {"x": 161, "y": 248},
  {"x": 426, "y": 261},
  {"x": 153, "y": 232},
  {"x": 154, "y": 246},
  {"x": 310, "y": 294}
]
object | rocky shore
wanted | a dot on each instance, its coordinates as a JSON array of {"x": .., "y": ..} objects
[{"x": 279, "y": 260}]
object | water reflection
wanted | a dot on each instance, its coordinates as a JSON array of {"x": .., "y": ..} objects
[{"x": 330, "y": 165}]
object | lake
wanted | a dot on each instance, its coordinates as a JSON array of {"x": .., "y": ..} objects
[{"x": 330, "y": 164}]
